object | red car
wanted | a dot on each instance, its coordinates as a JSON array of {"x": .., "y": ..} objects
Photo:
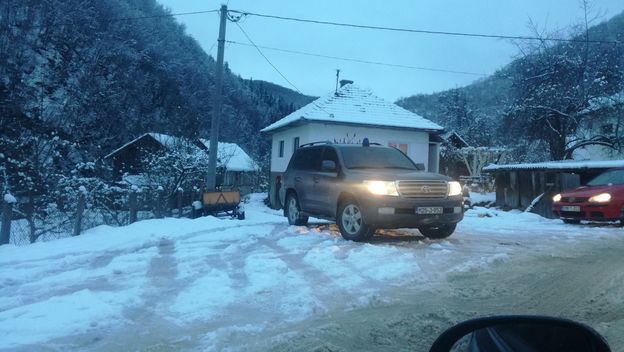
[{"x": 602, "y": 199}]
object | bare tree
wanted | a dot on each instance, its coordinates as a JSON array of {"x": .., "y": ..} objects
[{"x": 554, "y": 84}]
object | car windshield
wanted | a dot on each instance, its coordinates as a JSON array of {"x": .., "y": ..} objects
[
  {"x": 376, "y": 158},
  {"x": 613, "y": 177}
]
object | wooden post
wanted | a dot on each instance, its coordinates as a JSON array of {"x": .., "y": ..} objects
[
  {"x": 5, "y": 230},
  {"x": 79, "y": 211},
  {"x": 216, "y": 107},
  {"x": 29, "y": 209},
  {"x": 132, "y": 207},
  {"x": 179, "y": 201},
  {"x": 159, "y": 206}
]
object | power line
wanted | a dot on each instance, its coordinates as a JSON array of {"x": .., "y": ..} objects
[
  {"x": 120, "y": 19},
  {"x": 274, "y": 67},
  {"x": 422, "y": 31},
  {"x": 360, "y": 60}
]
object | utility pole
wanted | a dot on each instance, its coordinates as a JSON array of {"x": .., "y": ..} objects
[
  {"x": 337, "y": 78},
  {"x": 216, "y": 112}
]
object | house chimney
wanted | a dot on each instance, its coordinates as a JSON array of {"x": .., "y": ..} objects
[{"x": 345, "y": 81}]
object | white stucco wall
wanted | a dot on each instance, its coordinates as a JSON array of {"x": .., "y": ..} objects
[{"x": 417, "y": 141}]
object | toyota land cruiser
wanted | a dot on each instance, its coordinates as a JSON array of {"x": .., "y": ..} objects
[{"x": 366, "y": 187}]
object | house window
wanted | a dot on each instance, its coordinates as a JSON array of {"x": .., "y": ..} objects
[
  {"x": 400, "y": 146},
  {"x": 607, "y": 128},
  {"x": 295, "y": 143},
  {"x": 281, "y": 149}
]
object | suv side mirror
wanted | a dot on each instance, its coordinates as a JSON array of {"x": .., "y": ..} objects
[
  {"x": 328, "y": 165},
  {"x": 520, "y": 333},
  {"x": 420, "y": 166}
]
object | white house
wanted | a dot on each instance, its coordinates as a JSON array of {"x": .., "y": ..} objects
[
  {"x": 603, "y": 120},
  {"x": 348, "y": 116}
]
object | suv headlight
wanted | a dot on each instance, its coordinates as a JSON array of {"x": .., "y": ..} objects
[
  {"x": 601, "y": 198},
  {"x": 454, "y": 188},
  {"x": 382, "y": 188},
  {"x": 557, "y": 198}
]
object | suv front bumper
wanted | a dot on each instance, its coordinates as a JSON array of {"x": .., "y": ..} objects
[{"x": 397, "y": 212}]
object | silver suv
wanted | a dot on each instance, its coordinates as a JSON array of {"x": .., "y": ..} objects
[{"x": 366, "y": 187}]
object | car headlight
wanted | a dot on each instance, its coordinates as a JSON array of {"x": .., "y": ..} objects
[
  {"x": 454, "y": 188},
  {"x": 557, "y": 198},
  {"x": 382, "y": 188},
  {"x": 601, "y": 198}
]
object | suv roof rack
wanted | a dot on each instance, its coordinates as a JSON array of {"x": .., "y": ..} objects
[
  {"x": 330, "y": 142},
  {"x": 315, "y": 143}
]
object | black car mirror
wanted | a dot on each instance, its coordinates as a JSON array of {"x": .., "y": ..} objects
[
  {"x": 420, "y": 166},
  {"x": 520, "y": 333},
  {"x": 328, "y": 165}
]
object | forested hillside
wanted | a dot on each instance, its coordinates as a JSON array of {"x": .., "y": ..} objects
[
  {"x": 535, "y": 105},
  {"x": 80, "y": 78}
]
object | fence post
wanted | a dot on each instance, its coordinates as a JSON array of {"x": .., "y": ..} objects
[
  {"x": 159, "y": 200},
  {"x": 82, "y": 199},
  {"x": 179, "y": 201},
  {"x": 132, "y": 205},
  {"x": 7, "y": 211},
  {"x": 29, "y": 210}
]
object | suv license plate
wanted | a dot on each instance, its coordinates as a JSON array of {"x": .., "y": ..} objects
[
  {"x": 570, "y": 208},
  {"x": 429, "y": 210}
]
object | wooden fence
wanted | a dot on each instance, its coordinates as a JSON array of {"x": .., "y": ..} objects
[{"x": 22, "y": 222}]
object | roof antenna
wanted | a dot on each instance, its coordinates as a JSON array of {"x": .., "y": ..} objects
[{"x": 337, "y": 80}]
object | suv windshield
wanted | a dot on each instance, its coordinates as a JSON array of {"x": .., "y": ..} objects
[
  {"x": 376, "y": 158},
  {"x": 615, "y": 177}
]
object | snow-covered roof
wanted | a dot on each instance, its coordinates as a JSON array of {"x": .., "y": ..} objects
[
  {"x": 559, "y": 165},
  {"x": 605, "y": 102},
  {"x": 354, "y": 105},
  {"x": 452, "y": 134},
  {"x": 233, "y": 156},
  {"x": 230, "y": 154}
]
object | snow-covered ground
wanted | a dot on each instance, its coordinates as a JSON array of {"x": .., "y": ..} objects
[{"x": 209, "y": 281}]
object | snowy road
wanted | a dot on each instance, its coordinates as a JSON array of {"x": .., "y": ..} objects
[{"x": 259, "y": 284}]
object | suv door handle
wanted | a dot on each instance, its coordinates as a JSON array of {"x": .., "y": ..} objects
[
  {"x": 298, "y": 179},
  {"x": 316, "y": 179}
]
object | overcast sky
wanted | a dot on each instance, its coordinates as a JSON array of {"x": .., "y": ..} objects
[{"x": 316, "y": 76}]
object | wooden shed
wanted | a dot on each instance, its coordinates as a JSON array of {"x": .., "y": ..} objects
[{"x": 521, "y": 186}]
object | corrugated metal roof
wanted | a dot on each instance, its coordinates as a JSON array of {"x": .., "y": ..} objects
[{"x": 354, "y": 105}]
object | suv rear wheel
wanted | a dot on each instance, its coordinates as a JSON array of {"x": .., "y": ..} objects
[
  {"x": 351, "y": 222},
  {"x": 437, "y": 231},
  {"x": 292, "y": 210}
]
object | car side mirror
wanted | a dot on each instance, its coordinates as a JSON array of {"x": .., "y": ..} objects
[
  {"x": 328, "y": 165},
  {"x": 420, "y": 166},
  {"x": 520, "y": 333}
]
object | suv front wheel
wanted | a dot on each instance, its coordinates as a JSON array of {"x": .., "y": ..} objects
[
  {"x": 292, "y": 210},
  {"x": 351, "y": 222}
]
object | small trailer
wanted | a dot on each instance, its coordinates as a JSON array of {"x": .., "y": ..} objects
[{"x": 221, "y": 202}]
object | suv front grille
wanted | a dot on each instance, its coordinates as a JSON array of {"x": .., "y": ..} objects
[{"x": 423, "y": 189}]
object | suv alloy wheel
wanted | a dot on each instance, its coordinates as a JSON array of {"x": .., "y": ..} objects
[
  {"x": 351, "y": 222},
  {"x": 292, "y": 210}
]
